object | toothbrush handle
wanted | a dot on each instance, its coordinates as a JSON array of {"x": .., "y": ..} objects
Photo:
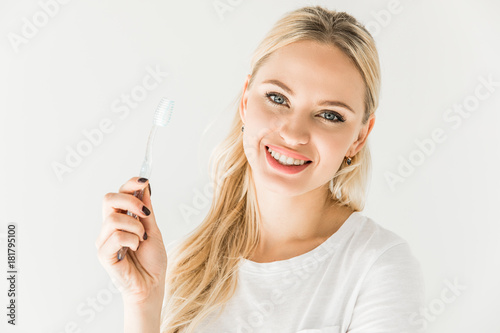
[{"x": 123, "y": 250}]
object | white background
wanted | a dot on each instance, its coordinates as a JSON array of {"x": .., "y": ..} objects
[{"x": 73, "y": 70}]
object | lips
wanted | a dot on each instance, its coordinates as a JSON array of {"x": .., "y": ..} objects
[
  {"x": 285, "y": 169},
  {"x": 288, "y": 153}
]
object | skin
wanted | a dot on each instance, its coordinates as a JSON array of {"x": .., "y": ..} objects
[{"x": 296, "y": 215}]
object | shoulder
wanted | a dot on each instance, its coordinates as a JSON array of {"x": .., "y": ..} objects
[
  {"x": 379, "y": 252},
  {"x": 371, "y": 232},
  {"x": 390, "y": 280},
  {"x": 378, "y": 242}
]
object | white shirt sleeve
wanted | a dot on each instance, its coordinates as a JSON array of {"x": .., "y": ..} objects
[{"x": 391, "y": 294}]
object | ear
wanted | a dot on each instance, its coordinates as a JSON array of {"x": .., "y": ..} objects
[
  {"x": 363, "y": 135},
  {"x": 244, "y": 99}
]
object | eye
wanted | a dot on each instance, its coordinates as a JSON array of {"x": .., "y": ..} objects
[
  {"x": 277, "y": 101},
  {"x": 331, "y": 116}
]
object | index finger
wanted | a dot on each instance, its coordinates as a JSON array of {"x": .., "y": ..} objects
[{"x": 133, "y": 184}]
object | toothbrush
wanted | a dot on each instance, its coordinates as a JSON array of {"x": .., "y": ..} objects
[{"x": 161, "y": 117}]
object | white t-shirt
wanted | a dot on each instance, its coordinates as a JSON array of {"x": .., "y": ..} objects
[{"x": 362, "y": 279}]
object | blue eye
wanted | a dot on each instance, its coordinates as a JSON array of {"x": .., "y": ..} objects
[
  {"x": 274, "y": 102},
  {"x": 334, "y": 117}
]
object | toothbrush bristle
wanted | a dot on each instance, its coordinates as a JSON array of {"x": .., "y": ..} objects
[{"x": 164, "y": 112}]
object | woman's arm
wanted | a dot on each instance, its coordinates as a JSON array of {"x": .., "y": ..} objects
[{"x": 142, "y": 318}]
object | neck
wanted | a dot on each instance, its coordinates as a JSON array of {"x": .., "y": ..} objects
[{"x": 294, "y": 221}]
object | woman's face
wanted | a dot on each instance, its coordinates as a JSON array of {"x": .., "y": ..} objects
[{"x": 285, "y": 108}]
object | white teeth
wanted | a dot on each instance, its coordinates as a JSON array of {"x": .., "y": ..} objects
[{"x": 285, "y": 160}]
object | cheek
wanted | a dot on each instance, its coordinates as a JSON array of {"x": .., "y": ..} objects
[
  {"x": 260, "y": 110},
  {"x": 260, "y": 119},
  {"x": 257, "y": 126},
  {"x": 332, "y": 146}
]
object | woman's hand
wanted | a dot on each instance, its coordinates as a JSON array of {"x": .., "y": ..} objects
[{"x": 140, "y": 275}]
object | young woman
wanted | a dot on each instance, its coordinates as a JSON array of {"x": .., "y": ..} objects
[{"x": 284, "y": 247}]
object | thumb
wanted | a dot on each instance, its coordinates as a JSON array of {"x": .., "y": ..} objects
[{"x": 149, "y": 222}]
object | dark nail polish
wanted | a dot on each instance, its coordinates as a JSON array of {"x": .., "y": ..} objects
[
  {"x": 119, "y": 256},
  {"x": 146, "y": 210},
  {"x": 142, "y": 180},
  {"x": 149, "y": 187},
  {"x": 145, "y": 236}
]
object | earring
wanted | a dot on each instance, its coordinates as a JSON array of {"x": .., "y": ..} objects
[
  {"x": 348, "y": 161},
  {"x": 242, "y": 128}
]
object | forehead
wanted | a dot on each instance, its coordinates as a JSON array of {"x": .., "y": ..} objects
[{"x": 319, "y": 70}]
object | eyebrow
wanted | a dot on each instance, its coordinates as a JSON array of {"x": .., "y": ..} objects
[{"x": 290, "y": 91}]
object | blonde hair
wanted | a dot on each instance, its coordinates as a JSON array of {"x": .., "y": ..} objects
[{"x": 202, "y": 276}]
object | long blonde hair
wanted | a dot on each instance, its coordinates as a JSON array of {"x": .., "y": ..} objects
[{"x": 201, "y": 276}]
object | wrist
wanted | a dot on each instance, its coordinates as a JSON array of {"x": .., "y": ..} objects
[
  {"x": 142, "y": 317},
  {"x": 153, "y": 296},
  {"x": 152, "y": 303}
]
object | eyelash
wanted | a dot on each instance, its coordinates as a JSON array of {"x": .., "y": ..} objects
[{"x": 273, "y": 103}]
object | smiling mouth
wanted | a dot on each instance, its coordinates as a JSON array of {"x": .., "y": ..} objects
[{"x": 305, "y": 162}]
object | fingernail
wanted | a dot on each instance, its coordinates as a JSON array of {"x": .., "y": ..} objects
[
  {"x": 119, "y": 256},
  {"x": 149, "y": 186},
  {"x": 145, "y": 236},
  {"x": 146, "y": 210},
  {"x": 142, "y": 180}
]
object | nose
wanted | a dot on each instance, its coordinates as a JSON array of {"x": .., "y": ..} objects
[{"x": 293, "y": 130}]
